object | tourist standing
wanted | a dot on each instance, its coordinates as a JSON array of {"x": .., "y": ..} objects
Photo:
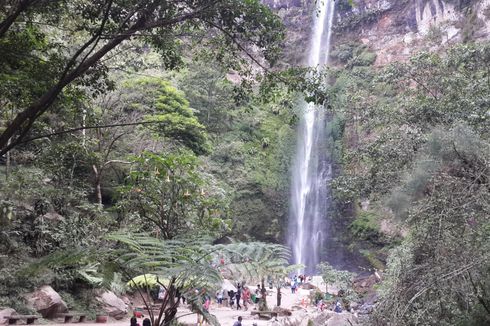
[
  {"x": 219, "y": 296},
  {"x": 246, "y": 297},
  {"x": 238, "y": 295},
  {"x": 231, "y": 295}
]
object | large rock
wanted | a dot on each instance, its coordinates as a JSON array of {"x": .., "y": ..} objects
[
  {"x": 365, "y": 284},
  {"x": 46, "y": 301},
  {"x": 7, "y": 312},
  {"x": 344, "y": 319},
  {"x": 330, "y": 318},
  {"x": 112, "y": 304},
  {"x": 282, "y": 311}
]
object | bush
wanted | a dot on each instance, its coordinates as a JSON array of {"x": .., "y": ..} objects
[
  {"x": 365, "y": 227},
  {"x": 353, "y": 54}
]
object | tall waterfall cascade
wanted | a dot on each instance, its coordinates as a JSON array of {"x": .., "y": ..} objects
[{"x": 308, "y": 224}]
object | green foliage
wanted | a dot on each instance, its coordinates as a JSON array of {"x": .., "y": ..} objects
[
  {"x": 338, "y": 278},
  {"x": 355, "y": 20},
  {"x": 167, "y": 194},
  {"x": 353, "y": 54},
  {"x": 68, "y": 43},
  {"x": 209, "y": 94},
  {"x": 416, "y": 143},
  {"x": 434, "y": 34},
  {"x": 366, "y": 227},
  {"x": 194, "y": 268},
  {"x": 160, "y": 102},
  {"x": 344, "y": 5}
]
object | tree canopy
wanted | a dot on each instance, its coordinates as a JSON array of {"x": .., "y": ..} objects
[{"x": 73, "y": 40}]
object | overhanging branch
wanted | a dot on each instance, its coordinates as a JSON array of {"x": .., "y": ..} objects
[{"x": 62, "y": 132}]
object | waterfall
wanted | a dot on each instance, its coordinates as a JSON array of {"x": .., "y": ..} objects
[{"x": 308, "y": 224}]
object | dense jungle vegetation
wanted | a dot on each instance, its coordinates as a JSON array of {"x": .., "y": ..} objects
[
  {"x": 122, "y": 117},
  {"x": 131, "y": 126},
  {"x": 416, "y": 148}
]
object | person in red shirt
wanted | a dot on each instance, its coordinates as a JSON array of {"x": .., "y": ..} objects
[{"x": 246, "y": 297}]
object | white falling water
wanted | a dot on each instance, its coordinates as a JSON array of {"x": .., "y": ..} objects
[{"x": 312, "y": 169}]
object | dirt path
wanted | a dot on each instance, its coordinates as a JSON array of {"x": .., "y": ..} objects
[{"x": 227, "y": 316}]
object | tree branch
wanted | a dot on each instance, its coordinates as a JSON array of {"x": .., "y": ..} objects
[
  {"x": 10, "y": 19},
  {"x": 58, "y": 133}
]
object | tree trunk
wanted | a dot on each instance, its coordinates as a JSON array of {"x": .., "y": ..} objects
[
  {"x": 7, "y": 164},
  {"x": 98, "y": 191},
  {"x": 23, "y": 122},
  {"x": 263, "y": 299},
  {"x": 279, "y": 295},
  {"x": 10, "y": 19}
]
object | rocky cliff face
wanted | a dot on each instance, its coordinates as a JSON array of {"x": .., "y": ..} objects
[
  {"x": 297, "y": 16},
  {"x": 398, "y": 29},
  {"x": 394, "y": 29}
]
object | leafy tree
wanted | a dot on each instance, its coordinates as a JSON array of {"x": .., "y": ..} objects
[
  {"x": 259, "y": 261},
  {"x": 416, "y": 144},
  {"x": 332, "y": 276},
  {"x": 167, "y": 193},
  {"x": 210, "y": 94},
  {"x": 94, "y": 30},
  {"x": 159, "y": 102},
  {"x": 446, "y": 208}
]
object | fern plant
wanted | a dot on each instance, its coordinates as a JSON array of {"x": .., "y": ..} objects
[{"x": 188, "y": 268}]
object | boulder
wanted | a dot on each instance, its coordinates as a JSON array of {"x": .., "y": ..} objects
[
  {"x": 344, "y": 319},
  {"x": 321, "y": 318},
  {"x": 330, "y": 318},
  {"x": 46, "y": 301},
  {"x": 112, "y": 304},
  {"x": 309, "y": 286},
  {"x": 365, "y": 284},
  {"x": 366, "y": 309},
  {"x": 53, "y": 216},
  {"x": 282, "y": 311},
  {"x": 6, "y": 312},
  {"x": 371, "y": 298},
  {"x": 354, "y": 305}
]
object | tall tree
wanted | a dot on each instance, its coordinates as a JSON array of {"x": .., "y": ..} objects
[{"x": 104, "y": 25}]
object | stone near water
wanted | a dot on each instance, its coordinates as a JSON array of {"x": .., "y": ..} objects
[{"x": 46, "y": 301}]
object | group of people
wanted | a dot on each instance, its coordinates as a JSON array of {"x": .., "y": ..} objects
[
  {"x": 242, "y": 295},
  {"x": 336, "y": 306},
  {"x": 297, "y": 280}
]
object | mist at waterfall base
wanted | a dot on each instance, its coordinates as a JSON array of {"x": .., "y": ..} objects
[{"x": 310, "y": 232}]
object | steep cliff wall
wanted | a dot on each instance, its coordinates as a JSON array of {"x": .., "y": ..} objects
[
  {"x": 393, "y": 29},
  {"x": 398, "y": 29},
  {"x": 297, "y": 16}
]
